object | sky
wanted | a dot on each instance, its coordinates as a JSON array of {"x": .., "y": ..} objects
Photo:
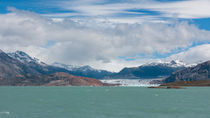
[{"x": 107, "y": 34}]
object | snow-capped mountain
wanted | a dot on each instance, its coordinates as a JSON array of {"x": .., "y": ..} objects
[
  {"x": 172, "y": 63},
  {"x": 74, "y": 67},
  {"x": 24, "y": 58},
  {"x": 86, "y": 71}
]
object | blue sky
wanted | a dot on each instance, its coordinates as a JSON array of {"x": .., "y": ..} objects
[
  {"x": 131, "y": 32},
  {"x": 62, "y": 8}
]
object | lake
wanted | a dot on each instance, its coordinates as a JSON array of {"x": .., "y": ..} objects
[{"x": 104, "y": 102}]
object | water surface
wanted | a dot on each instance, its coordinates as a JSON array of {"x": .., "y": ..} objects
[{"x": 104, "y": 102}]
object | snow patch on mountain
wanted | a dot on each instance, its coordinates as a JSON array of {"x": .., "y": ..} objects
[{"x": 25, "y": 58}]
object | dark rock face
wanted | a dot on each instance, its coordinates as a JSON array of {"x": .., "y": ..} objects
[
  {"x": 150, "y": 71},
  {"x": 13, "y": 72},
  {"x": 199, "y": 72}
]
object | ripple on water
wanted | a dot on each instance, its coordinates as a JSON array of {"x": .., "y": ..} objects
[{"x": 5, "y": 112}]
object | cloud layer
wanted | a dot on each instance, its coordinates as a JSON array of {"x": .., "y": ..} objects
[
  {"x": 99, "y": 44},
  {"x": 194, "y": 55}
]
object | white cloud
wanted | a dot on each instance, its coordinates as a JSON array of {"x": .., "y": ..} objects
[
  {"x": 196, "y": 54},
  {"x": 98, "y": 44}
]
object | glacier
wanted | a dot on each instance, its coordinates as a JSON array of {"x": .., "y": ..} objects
[{"x": 132, "y": 82}]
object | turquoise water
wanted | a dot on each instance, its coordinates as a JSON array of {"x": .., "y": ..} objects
[{"x": 104, "y": 102}]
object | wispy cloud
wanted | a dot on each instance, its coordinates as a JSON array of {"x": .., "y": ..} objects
[
  {"x": 187, "y": 9},
  {"x": 113, "y": 10},
  {"x": 183, "y": 9}
]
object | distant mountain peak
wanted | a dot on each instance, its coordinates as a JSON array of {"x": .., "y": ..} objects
[
  {"x": 172, "y": 63},
  {"x": 21, "y": 56},
  {"x": 177, "y": 63}
]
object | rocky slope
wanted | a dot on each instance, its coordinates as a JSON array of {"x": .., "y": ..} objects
[
  {"x": 151, "y": 70},
  {"x": 192, "y": 75},
  {"x": 64, "y": 79},
  {"x": 14, "y": 72}
]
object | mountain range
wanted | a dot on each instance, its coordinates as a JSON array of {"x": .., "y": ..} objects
[
  {"x": 150, "y": 70},
  {"x": 146, "y": 71},
  {"x": 19, "y": 69}
]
